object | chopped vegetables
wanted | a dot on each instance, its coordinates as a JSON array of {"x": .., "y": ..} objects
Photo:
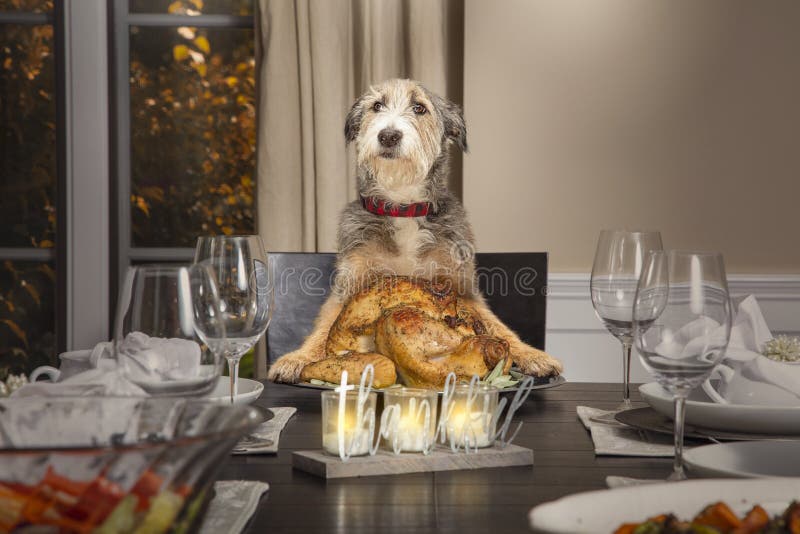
[
  {"x": 97, "y": 506},
  {"x": 718, "y": 518}
]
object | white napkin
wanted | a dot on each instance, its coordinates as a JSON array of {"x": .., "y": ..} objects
[
  {"x": 230, "y": 509},
  {"x": 153, "y": 359},
  {"x": 104, "y": 380},
  {"x": 692, "y": 338},
  {"x": 618, "y": 440},
  {"x": 749, "y": 334},
  {"x": 270, "y": 430},
  {"x": 749, "y": 331}
]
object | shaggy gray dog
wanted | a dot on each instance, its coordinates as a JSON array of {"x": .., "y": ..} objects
[{"x": 406, "y": 222}]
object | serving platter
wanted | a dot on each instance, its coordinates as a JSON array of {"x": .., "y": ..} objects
[
  {"x": 605, "y": 510},
  {"x": 703, "y": 412},
  {"x": 546, "y": 382},
  {"x": 747, "y": 459}
]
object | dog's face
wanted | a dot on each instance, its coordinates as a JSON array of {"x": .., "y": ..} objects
[{"x": 400, "y": 130}]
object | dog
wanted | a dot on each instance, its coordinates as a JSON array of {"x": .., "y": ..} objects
[{"x": 406, "y": 222}]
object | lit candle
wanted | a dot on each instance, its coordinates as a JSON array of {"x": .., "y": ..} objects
[
  {"x": 469, "y": 429},
  {"x": 469, "y": 416},
  {"x": 347, "y": 427},
  {"x": 409, "y": 421}
]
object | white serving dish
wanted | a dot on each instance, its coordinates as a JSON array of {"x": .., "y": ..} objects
[
  {"x": 701, "y": 411},
  {"x": 745, "y": 459},
  {"x": 604, "y": 510},
  {"x": 249, "y": 391}
]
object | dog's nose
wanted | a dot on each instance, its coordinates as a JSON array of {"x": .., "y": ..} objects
[{"x": 389, "y": 137}]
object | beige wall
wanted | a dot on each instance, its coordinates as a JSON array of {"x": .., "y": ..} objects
[{"x": 679, "y": 116}]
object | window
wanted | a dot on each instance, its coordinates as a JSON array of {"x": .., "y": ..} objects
[
  {"x": 181, "y": 154},
  {"x": 29, "y": 189},
  {"x": 184, "y": 128},
  {"x": 184, "y": 88}
]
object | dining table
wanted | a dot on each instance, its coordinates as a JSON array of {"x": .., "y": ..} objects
[{"x": 495, "y": 500}]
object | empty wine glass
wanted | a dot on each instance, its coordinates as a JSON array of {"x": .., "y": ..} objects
[
  {"x": 617, "y": 266},
  {"x": 682, "y": 324},
  {"x": 244, "y": 282},
  {"x": 168, "y": 333}
]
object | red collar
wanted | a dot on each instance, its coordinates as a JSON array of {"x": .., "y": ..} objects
[{"x": 379, "y": 206}]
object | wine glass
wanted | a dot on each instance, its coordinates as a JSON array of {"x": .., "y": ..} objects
[
  {"x": 168, "y": 333},
  {"x": 617, "y": 266},
  {"x": 682, "y": 324},
  {"x": 244, "y": 282}
]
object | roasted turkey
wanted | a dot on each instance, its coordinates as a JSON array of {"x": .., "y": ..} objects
[{"x": 419, "y": 325}]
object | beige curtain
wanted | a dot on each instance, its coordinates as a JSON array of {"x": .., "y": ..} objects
[{"x": 313, "y": 58}]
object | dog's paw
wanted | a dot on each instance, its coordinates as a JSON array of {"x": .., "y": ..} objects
[
  {"x": 535, "y": 362},
  {"x": 288, "y": 367}
]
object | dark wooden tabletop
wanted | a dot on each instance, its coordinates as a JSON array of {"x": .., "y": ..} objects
[{"x": 485, "y": 500}]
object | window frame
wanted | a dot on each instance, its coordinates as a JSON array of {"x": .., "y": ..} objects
[
  {"x": 120, "y": 22},
  {"x": 85, "y": 206}
]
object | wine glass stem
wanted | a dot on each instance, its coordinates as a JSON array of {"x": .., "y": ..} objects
[
  {"x": 680, "y": 412},
  {"x": 626, "y": 374},
  {"x": 233, "y": 371}
]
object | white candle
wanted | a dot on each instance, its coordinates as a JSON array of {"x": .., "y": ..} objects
[
  {"x": 471, "y": 429},
  {"x": 409, "y": 420},
  {"x": 468, "y": 418},
  {"x": 348, "y": 423},
  {"x": 410, "y": 435},
  {"x": 356, "y": 442}
]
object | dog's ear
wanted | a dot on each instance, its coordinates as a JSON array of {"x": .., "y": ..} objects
[
  {"x": 453, "y": 121},
  {"x": 352, "y": 123}
]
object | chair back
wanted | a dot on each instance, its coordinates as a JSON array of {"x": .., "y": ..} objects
[{"x": 513, "y": 283}]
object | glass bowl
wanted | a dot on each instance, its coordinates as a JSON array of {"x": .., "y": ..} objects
[{"x": 113, "y": 464}]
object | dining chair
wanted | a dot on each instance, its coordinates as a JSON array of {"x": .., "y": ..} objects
[{"x": 513, "y": 283}]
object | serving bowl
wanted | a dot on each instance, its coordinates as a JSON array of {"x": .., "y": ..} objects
[{"x": 113, "y": 464}]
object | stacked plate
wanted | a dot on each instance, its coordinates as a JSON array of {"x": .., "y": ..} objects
[
  {"x": 765, "y": 439},
  {"x": 746, "y": 418}
]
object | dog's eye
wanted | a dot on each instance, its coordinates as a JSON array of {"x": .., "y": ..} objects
[
  {"x": 377, "y": 106},
  {"x": 419, "y": 109}
]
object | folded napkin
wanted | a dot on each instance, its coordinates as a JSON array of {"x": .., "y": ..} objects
[
  {"x": 230, "y": 509},
  {"x": 153, "y": 359},
  {"x": 268, "y": 433},
  {"x": 104, "y": 380},
  {"x": 749, "y": 367},
  {"x": 749, "y": 331},
  {"x": 150, "y": 360},
  {"x": 616, "y": 439}
]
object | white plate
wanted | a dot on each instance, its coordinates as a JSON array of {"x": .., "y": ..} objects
[
  {"x": 746, "y": 459},
  {"x": 701, "y": 411},
  {"x": 605, "y": 510},
  {"x": 249, "y": 390}
]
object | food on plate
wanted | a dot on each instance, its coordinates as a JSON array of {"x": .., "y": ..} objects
[
  {"x": 718, "y": 518},
  {"x": 330, "y": 370},
  {"x": 421, "y": 327}
]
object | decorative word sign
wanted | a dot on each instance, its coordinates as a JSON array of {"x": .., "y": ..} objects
[
  {"x": 467, "y": 426},
  {"x": 468, "y": 419}
]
